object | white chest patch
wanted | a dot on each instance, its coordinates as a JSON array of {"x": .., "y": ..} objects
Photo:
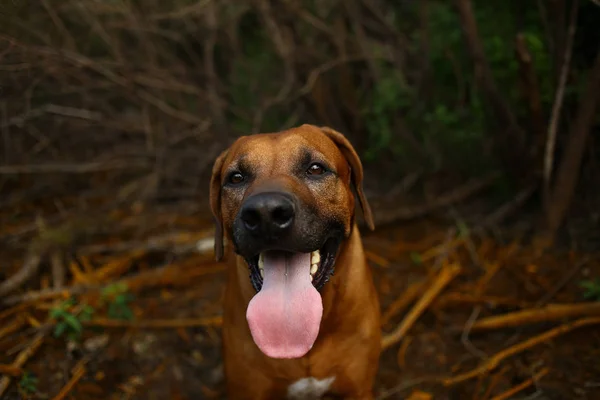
[{"x": 309, "y": 388}]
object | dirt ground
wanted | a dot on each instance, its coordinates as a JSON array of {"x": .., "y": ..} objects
[{"x": 166, "y": 343}]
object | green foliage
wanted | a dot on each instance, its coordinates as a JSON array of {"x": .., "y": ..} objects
[
  {"x": 118, "y": 300},
  {"x": 389, "y": 96},
  {"x": 449, "y": 119},
  {"x": 28, "y": 383},
  {"x": 258, "y": 69},
  {"x": 591, "y": 289},
  {"x": 69, "y": 317}
]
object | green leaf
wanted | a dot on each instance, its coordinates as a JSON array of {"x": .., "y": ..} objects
[
  {"x": 73, "y": 322},
  {"x": 59, "y": 329}
]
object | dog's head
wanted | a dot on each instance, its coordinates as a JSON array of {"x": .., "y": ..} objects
[{"x": 285, "y": 202}]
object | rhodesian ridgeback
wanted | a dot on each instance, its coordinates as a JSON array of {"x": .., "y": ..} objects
[{"x": 291, "y": 327}]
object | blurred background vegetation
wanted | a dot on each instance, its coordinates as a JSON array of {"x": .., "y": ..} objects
[{"x": 136, "y": 98}]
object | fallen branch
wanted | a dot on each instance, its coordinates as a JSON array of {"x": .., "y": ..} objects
[
  {"x": 493, "y": 362},
  {"x": 12, "y": 328},
  {"x": 462, "y": 299},
  {"x": 10, "y": 370},
  {"x": 23, "y": 357},
  {"x": 78, "y": 372},
  {"x": 551, "y": 312},
  {"x": 404, "y": 300},
  {"x": 563, "y": 282},
  {"x": 444, "y": 200},
  {"x": 521, "y": 386},
  {"x": 156, "y": 324},
  {"x": 445, "y": 276},
  {"x": 166, "y": 276},
  {"x": 26, "y": 272},
  {"x": 83, "y": 168},
  {"x": 178, "y": 242}
]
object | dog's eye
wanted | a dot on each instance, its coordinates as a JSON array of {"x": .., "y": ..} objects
[
  {"x": 315, "y": 169},
  {"x": 236, "y": 178}
]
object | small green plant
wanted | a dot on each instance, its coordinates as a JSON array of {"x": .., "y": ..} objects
[
  {"x": 591, "y": 289},
  {"x": 463, "y": 229},
  {"x": 28, "y": 383},
  {"x": 117, "y": 298},
  {"x": 69, "y": 317},
  {"x": 416, "y": 258}
]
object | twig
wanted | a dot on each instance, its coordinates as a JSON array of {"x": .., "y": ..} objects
[
  {"x": 83, "y": 168},
  {"x": 116, "y": 267},
  {"x": 563, "y": 282},
  {"x": 445, "y": 276},
  {"x": 444, "y": 200},
  {"x": 78, "y": 372},
  {"x": 179, "y": 242},
  {"x": 58, "y": 269},
  {"x": 464, "y": 337},
  {"x": 510, "y": 207},
  {"x": 491, "y": 363},
  {"x": 156, "y": 324},
  {"x": 558, "y": 101},
  {"x": 496, "y": 378},
  {"x": 26, "y": 272},
  {"x": 521, "y": 386},
  {"x": 10, "y": 370},
  {"x": 460, "y": 299},
  {"x": 55, "y": 109},
  {"x": 407, "y": 384},
  {"x": 551, "y": 312},
  {"x": 170, "y": 275},
  {"x": 404, "y": 300},
  {"x": 15, "y": 326},
  {"x": 23, "y": 357}
]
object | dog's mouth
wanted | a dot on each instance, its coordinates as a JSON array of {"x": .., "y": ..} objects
[
  {"x": 285, "y": 315},
  {"x": 322, "y": 263}
]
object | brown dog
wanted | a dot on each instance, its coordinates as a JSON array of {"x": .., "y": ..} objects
[{"x": 291, "y": 328}]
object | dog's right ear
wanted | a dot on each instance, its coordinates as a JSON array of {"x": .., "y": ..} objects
[{"x": 215, "y": 203}]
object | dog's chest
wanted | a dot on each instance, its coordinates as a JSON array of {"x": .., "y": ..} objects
[{"x": 309, "y": 388}]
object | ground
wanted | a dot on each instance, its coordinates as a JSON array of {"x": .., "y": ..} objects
[{"x": 156, "y": 335}]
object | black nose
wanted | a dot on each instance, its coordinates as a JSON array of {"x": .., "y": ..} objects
[{"x": 268, "y": 213}]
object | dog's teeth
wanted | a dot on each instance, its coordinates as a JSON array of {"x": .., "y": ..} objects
[
  {"x": 311, "y": 278},
  {"x": 261, "y": 261},
  {"x": 262, "y": 273},
  {"x": 313, "y": 269},
  {"x": 315, "y": 257}
]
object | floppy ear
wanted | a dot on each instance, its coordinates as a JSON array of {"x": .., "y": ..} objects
[
  {"x": 355, "y": 168},
  {"x": 215, "y": 203}
]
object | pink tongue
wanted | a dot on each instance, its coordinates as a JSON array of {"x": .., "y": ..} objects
[{"x": 284, "y": 317}]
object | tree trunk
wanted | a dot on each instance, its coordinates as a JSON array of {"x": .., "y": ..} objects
[
  {"x": 568, "y": 172},
  {"x": 512, "y": 146}
]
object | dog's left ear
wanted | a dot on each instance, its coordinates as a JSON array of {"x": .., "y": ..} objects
[
  {"x": 355, "y": 168},
  {"x": 215, "y": 203}
]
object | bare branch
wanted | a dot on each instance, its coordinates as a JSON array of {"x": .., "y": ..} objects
[
  {"x": 556, "y": 108},
  {"x": 73, "y": 168}
]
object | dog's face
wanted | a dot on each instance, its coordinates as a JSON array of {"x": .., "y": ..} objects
[
  {"x": 288, "y": 191},
  {"x": 285, "y": 202}
]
